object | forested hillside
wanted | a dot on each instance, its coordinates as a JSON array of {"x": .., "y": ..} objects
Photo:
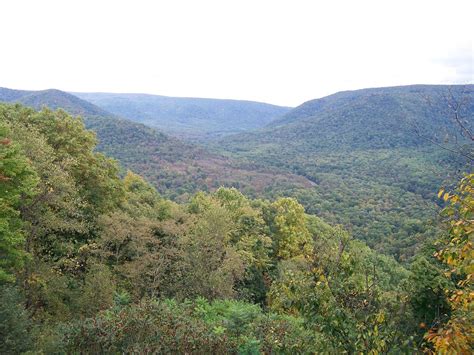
[
  {"x": 95, "y": 263},
  {"x": 364, "y": 159},
  {"x": 178, "y": 169},
  {"x": 53, "y": 99},
  {"x": 175, "y": 168},
  {"x": 193, "y": 118},
  {"x": 372, "y": 157}
]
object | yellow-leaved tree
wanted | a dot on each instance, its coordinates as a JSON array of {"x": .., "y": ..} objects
[{"x": 457, "y": 335}]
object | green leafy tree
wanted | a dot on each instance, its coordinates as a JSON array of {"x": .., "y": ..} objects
[
  {"x": 16, "y": 328},
  {"x": 18, "y": 182},
  {"x": 142, "y": 199},
  {"x": 210, "y": 265},
  {"x": 98, "y": 290},
  {"x": 457, "y": 253},
  {"x": 251, "y": 239},
  {"x": 345, "y": 292},
  {"x": 427, "y": 290},
  {"x": 129, "y": 246},
  {"x": 287, "y": 221}
]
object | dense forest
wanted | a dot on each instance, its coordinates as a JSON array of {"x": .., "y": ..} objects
[
  {"x": 365, "y": 159},
  {"x": 98, "y": 261},
  {"x": 175, "y": 167},
  {"x": 376, "y": 157}
]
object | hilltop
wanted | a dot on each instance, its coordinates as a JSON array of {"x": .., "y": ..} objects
[
  {"x": 367, "y": 154},
  {"x": 174, "y": 167},
  {"x": 53, "y": 99},
  {"x": 195, "y": 118}
]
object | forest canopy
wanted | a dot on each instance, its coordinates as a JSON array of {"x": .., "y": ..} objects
[{"x": 96, "y": 262}]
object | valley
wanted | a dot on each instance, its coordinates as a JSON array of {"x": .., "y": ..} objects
[
  {"x": 354, "y": 158},
  {"x": 236, "y": 177},
  {"x": 303, "y": 235},
  {"x": 188, "y": 118}
]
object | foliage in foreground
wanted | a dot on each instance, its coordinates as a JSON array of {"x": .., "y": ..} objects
[
  {"x": 190, "y": 327},
  {"x": 457, "y": 253},
  {"x": 97, "y": 263}
]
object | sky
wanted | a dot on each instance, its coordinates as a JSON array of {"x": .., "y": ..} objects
[{"x": 280, "y": 52}]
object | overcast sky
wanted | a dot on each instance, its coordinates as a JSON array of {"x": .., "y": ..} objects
[{"x": 281, "y": 52}]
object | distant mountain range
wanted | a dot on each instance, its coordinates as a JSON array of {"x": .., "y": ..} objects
[
  {"x": 176, "y": 168},
  {"x": 191, "y": 118},
  {"x": 369, "y": 159},
  {"x": 53, "y": 99}
]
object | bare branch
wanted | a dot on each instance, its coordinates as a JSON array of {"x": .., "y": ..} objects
[{"x": 455, "y": 103}]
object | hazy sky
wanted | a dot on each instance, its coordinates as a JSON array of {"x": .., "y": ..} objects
[{"x": 282, "y": 52}]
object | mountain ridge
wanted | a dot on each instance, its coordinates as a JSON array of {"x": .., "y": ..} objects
[
  {"x": 310, "y": 107},
  {"x": 188, "y": 117},
  {"x": 54, "y": 99},
  {"x": 373, "y": 172},
  {"x": 356, "y": 162},
  {"x": 175, "y": 168}
]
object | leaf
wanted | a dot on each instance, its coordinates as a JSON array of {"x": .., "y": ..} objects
[{"x": 440, "y": 193}]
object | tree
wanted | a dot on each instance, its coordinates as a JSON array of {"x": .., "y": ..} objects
[
  {"x": 98, "y": 291},
  {"x": 457, "y": 253},
  {"x": 18, "y": 182},
  {"x": 128, "y": 245},
  {"x": 287, "y": 221},
  {"x": 457, "y": 129},
  {"x": 210, "y": 265},
  {"x": 53, "y": 187},
  {"x": 95, "y": 175},
  {"x": 142, "y": 199},
  {"x": 251, "y": 239},
  {"x": 15, "y": 325},
  {"x": 427, "y": 289}
]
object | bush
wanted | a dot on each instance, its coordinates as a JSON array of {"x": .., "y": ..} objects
[
  {"x": 189, "y": 327},
  {"x": 15, "y": 326}
]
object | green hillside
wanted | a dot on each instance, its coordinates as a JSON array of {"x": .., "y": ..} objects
[
  {"x": 368, "y": 118},
  {"x": 353, "y": 158},
  {"x": 175, "y": 168},
  {"x": 366, "y": 152},
  {"x": 178, "y": 169},
  {"x": 53, "y": 99},
  {"x": 96, "y": 263},
  {"x": 188, "y": 117}
]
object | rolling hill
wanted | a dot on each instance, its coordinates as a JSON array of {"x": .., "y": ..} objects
[
  {"x": 53, "y": 99},
  {"x": 368, "y": 118},
  {"x": 174, "y": 167},
  {"x": 371, "y": 156},
  {"x": 194, "y": 118},
  {"x": 364, "y": 158}
]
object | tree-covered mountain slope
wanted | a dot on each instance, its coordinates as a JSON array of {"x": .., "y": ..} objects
[
  {"x": 371, "y": 156},
  {"x": 177, "y": 168},
  {"x": 368, "y": 118},
  {"x": 358, "y": 160},
  {"x": 174, "y": 167},
  {"x": 188, "y": 117},
  {"x": 96, "y": 263},
  {"x": 53, "y": 99},
  {"x": 430, "y": 94}
]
